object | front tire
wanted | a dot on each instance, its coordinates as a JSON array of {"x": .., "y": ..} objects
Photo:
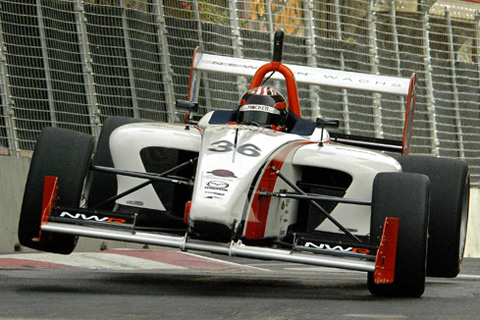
[
  {"x": 404, "y": 196},
  {"x": 60, "y": 153}
]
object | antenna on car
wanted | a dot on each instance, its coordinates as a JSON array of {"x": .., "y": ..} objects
[
  {"x": 278, "y": 45},
  {"x": 277, "y": 50}
]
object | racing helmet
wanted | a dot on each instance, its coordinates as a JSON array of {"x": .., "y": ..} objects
[{"x": 263, "y": 106}]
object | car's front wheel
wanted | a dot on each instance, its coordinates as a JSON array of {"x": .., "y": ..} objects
[
  {"x": 60, "y": 153},
  {"x": 404, "y": 196}
]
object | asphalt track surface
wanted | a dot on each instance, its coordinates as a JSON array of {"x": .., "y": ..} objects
[{"x": 168, "y": 284}]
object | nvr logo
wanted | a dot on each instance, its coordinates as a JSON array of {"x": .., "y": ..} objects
[
  {"x": 335, "y": 248},
  {"x": 82, "y": 216}
]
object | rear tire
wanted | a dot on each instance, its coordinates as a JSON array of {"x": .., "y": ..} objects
[
  {"x": 404, "y": 196},
  {"x": 64, "y": 154},
  {"x": 450, "y": 193}
]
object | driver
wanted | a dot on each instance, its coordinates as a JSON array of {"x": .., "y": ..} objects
[{"x": 265, "y": 107}]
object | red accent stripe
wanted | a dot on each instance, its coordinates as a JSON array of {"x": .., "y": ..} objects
[
  {"x": 188, "y": 207},
  {"x": 192, "y": 71},
  {"x": 257, "y": 217},
  {"x": 48, "y": 203},
  {"x": 410, "y": 110},
  {"x": 387, "y": 252}
]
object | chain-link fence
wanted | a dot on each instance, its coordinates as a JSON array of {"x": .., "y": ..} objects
[{"x": 72, "y": 63}]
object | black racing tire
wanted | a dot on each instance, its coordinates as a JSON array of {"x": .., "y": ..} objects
[
  {"x": 449, "y": 201},
  {"x": 404, "y": 196},
  {"x": 103, "y": 186},
  {"x": 64, "y": 154}
]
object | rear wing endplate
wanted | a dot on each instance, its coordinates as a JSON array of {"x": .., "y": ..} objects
[{"x": 312, "y": 76}]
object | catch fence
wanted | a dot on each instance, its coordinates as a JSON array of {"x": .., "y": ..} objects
[{"x": 73, "y": 63}]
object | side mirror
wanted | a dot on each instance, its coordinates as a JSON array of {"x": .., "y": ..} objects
[
  {"x": 183, "y": 106},
  {"x": 328, "y": 123},
  {"x": 188, "y": 109}
]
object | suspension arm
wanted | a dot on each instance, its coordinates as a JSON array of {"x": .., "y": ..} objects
[{"x": 316, "y": 205}]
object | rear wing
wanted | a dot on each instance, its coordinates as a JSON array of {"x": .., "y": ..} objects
[{"x": 293, "y": 74}]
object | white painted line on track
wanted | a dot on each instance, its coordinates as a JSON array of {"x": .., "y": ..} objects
[
  {"x": 375, "y": 316},
  {"x": 468, "y": 277},
  {"x": 226, "y": 262},
  {"x": 321, "y": 269}
]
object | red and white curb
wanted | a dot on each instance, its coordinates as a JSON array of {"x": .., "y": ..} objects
[{"x": 119, "y": 259}]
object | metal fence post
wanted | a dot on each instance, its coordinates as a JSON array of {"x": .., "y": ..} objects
[
  {"x": 453, "y": 70},
  {"x": 9, "y": 103},
  {"x": 196, "y": 14},
  {"x": 236, "y": 39},
  {"x": 339, "y": 36},
  {"x": 46, "y": 63},
  {"x": 312, "y": 57},
  {"x": 268, "y": 8},
  {"x": 87, "y": 68},
  {"x": 128, "y": 56},
  {"x": 429, "y": 82},
  {"x": 396, "y": 49},
  {"x": 477, "y": 40},
  {"x": 374, "y": 61},
  {"x": 237, "y": 43},
  {"x": 165, "y": 61}
]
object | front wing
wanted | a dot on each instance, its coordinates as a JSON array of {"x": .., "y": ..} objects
[{"x": 121, "y": 227}]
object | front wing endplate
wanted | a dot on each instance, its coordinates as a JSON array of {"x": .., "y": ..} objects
[
  {"x": 48, "y": 203},
  {"x": 387, "y": 251}
]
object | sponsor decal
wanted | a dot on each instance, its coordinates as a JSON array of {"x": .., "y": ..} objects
[
  {"x": 215, "y": 193},
  {"x": 336, "y": 248},
  {"x": 255, "y": 107},
  {"x": 235, "y": 65},
  {"x": 326, "y": 76},
  {"x": 217, "y": 185},
  {"x": 82, "y": 216},
  {"x": 222, "y": 173}
]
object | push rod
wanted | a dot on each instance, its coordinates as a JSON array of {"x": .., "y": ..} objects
[{"x": 141, "y": 185}]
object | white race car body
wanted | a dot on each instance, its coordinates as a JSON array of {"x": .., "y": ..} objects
[{"x": 235, "y": 160}]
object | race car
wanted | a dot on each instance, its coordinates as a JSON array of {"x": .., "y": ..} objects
[{"x": 257, "y": 181}]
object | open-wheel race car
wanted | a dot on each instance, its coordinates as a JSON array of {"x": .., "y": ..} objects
[{"x": 258, "y": 181}]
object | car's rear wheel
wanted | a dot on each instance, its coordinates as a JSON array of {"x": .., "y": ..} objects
[
  {"x": 404, "y": 196},
  {"x": 60, "y": 153},
  {"x": 449, "y": 200}
]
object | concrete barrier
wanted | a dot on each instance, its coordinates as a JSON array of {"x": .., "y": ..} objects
[
  {"x": 13, "y": 174},
  {"x": 473, "y": 238}
]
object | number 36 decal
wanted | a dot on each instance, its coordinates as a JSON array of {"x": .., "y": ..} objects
[{"x": 247, "y": 149}]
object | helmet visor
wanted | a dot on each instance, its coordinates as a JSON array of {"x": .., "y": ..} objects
[{"x": 259, "y": 114}]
